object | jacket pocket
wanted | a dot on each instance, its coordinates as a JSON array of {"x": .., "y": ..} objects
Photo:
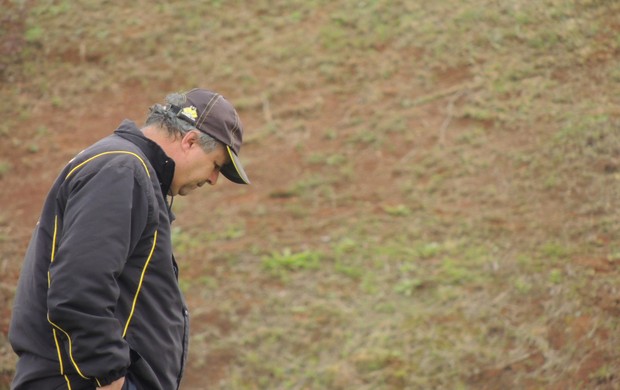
[{"x": 141, "y": 375}]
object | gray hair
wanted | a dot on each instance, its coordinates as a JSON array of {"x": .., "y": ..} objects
[{"x": 175, "y": 126}]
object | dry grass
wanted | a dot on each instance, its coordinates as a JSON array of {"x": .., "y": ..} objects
[{"x": 436, "y": 197}]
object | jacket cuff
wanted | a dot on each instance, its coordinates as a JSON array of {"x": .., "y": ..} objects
[{"x": 111, "y": 377}]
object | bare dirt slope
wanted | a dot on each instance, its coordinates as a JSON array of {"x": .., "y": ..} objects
[{"x": 435, "y": 186}]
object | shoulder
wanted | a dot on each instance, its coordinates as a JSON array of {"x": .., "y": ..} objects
[{"x": 109, "y": 154}]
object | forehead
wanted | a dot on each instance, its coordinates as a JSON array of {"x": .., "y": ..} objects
[
  {"x": 219, "y": 155},
  {"x": 225, "y": 156}
]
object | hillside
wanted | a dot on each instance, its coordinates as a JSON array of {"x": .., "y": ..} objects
[{"x": 435, "y": 185}]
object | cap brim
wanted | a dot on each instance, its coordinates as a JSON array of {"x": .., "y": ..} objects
[{"x": 233, "y": 171}]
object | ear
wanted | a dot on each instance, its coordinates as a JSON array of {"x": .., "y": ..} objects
[{"x": 189, "y": 140}]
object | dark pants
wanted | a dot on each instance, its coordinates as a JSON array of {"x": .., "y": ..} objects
[
  {"x": 61, "y": 384},
  {"x": 129, "y": 385}
]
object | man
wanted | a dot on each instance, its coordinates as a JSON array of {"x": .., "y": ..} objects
[{"x": 98, "y": 304}]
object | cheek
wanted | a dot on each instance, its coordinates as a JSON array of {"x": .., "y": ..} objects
[
  {"x": 180, "y": 179},
  {"x": 191, "y": 174}
]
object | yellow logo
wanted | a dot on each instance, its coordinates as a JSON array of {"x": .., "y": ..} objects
[{"x": 190, "y": 112}]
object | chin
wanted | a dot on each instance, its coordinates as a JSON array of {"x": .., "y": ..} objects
[{"x": 185, "y": 191}]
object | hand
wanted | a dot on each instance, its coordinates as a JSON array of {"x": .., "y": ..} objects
[{"x": 116, "y": 385}]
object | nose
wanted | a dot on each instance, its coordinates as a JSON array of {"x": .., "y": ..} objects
[{"x": 213, "y": 178}]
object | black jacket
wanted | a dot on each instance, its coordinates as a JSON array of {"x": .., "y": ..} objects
[{"x": 98, "y": 296}]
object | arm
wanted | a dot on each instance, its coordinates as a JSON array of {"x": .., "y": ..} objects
[{"x": 105, "y": 212}]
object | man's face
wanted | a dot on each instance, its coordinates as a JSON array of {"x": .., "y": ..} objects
[{"x": 194, "y": 167}]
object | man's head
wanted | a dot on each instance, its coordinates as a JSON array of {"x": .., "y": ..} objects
[{"x": 206, "y": 136}]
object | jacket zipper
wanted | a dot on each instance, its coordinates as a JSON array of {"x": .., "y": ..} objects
[{"x": 185, "y": 344}]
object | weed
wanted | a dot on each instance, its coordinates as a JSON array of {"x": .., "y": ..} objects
[
  {"x": 370, "y": 284},
  {"x": 42, "y": 131},
  {"x": 605, "y": 374},
  {"x": 479, "y": 114},
  {"x": 310, "y": 186},
  {"x": 5, "y": 168},
  {"x": 351, "y": 271},
  {"x": 398, "y": 210},
  {"x": 331, "y": 134},
  {"x": 333, "y": 37},
  {"x": 366, "y": 137},
  {"x": 232, "y": 232},
  {"x": 33, "y": 34},
  {"x": 297, "y": 211},
  {"x": 330, "y": 160},
  {"x": 345, "y": 246},
  {"x": 522, "y": 285},
  {"x": 33, "y": 147},
  {"x": 184, "y": 242},
  {"x": 407, "y": 286},
  {"x": 554, "y": 251},
  {"x": 279, "y": 263},
  {"x": 474, "y": 137},
  {"x": 374, "y": 359},
  {"x": 57, "y": 102},
  {"x": 453, "y": 272},
  {"x": 555, "y": 276},
  {"x": 428, "y": 250},
  {"x": 614, "y": 255},
  {"x": 552, "y": 181}
]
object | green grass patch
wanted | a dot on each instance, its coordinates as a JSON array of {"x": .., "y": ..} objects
[{"x": 286, "y": 261}]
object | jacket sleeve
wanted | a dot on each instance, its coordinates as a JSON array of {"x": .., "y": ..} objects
[{"x": 105, "y": 213}]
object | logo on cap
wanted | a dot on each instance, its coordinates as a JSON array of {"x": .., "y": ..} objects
[{"x": 190, "y": 113}]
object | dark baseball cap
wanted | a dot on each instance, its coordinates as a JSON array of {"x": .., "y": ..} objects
[{"x": 210, "y": 113}]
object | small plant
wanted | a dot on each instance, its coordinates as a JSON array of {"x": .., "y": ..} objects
[
  {"x": 428, "y": 250},
  {"x": 366, "y": 137},
  {"x": 42, "y": 131},
  {"x": 555, "y": 276},
  {"x": 350, "y": 271},
  {"x": 407, "y": 286},
  {"x": 331, "y": 134},
  {"x": 605, "y": 374},
  {"x": 184, "y": 242},
  {"x": 455, "y": 272},
  {"x": 280, "y": 263},
  {"x": 57, "y": 102},
  {"x": 232, "y": 232},
  {"x": 346, "y": 245},
  {"x": 554, "y": 250},
  {"x": 5, "y": 167},
  {"x": 397, "y": 211},
  {"x": 329, "y": 160},
  {"x": 33, "y": 148},
  {"x": 522, "y": 285},
  {"x": 33, "y": 34}
]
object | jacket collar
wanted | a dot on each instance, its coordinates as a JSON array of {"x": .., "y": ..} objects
[{"x": 161, "y": 163}]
